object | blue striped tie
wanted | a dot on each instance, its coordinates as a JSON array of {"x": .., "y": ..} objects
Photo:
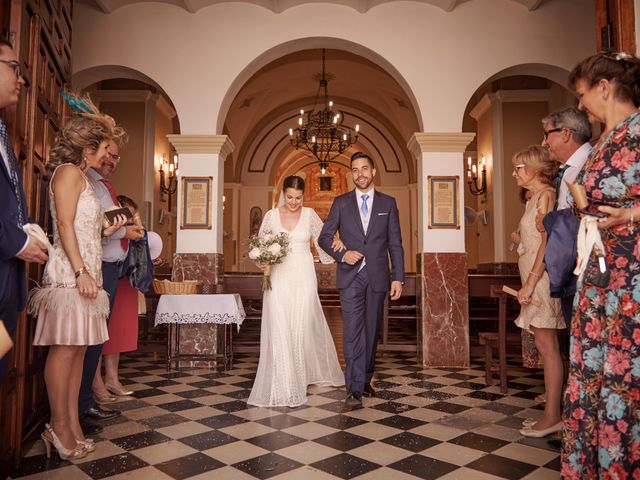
[
  {"x": 13, "y": 170},
  {"x": 364, "y": 208}
]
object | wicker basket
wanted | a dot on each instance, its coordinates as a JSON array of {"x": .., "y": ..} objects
[{"x": 165, "y": 287}]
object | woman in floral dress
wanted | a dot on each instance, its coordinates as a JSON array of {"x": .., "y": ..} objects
[{"x": 601, "y": 434}]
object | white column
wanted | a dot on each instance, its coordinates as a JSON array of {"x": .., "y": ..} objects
[
  {"x": 202, "y": 156},
  {"x": 439, "y": 154}
]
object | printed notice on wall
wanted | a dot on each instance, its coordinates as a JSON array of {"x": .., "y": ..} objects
[
  {"x": 443, "y": 198},
  {"x": 196, "y": 201}
]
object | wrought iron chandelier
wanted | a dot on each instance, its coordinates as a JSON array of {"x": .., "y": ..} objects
[{"x": 322, "y": 133}]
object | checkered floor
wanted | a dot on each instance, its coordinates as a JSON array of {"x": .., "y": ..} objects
[{"x": 424, "y": 423}]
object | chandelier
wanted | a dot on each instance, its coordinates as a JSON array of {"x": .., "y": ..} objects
[{"x": 321, "y": 132}]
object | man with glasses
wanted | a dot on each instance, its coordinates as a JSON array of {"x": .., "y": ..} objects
[
  {"x": 566, "y": 136},
  {"x": 16, "y": 246},
  {"x": 114, "y": 252}
]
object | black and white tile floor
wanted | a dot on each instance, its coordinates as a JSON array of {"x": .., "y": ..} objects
[{"x": 424, "y": 423}]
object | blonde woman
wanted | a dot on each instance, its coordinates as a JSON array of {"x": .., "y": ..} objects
[
  {"x": 540, "y": 314},
  {"x": 71, "y": 306}
]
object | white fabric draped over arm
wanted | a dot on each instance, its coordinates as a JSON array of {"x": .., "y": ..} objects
[{"x": 316, "y": 227}]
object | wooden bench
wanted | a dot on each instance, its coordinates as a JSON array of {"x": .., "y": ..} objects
[{"x": 488, "y": 285}]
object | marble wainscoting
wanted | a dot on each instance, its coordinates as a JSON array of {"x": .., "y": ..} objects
[
  {"x": 443, "y": 309},
  {"x": 205, "y": 340}
]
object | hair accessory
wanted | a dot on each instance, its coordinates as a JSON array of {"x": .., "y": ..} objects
[
  {"x": 79, "y": 105},
  {"x": 622, "y": 56}
]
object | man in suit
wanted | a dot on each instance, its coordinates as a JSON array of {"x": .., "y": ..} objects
[
  {"x": 114, "y": 252},
  {"x": 370, "y": 229},
  {"x": 16, "y": 247}
]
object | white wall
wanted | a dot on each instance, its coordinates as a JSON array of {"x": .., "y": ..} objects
[{"x": 198, "y": 58}]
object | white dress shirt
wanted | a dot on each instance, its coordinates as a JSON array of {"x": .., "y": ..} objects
[
  {"x": 111, "y": 249},
  {"x": 365, "y": 218},
  {"x": 574, "y": 165}
]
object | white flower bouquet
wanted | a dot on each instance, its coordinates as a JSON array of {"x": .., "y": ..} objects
[{"x": 268, "y": 248}]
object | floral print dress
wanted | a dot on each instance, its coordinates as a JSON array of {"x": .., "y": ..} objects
[{"x": 601, "y": 435}]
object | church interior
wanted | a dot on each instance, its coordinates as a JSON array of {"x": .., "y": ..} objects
[{"x": 210, "y": 93}]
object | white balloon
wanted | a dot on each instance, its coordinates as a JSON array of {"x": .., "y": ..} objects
[{"x": 155, "y": 244}]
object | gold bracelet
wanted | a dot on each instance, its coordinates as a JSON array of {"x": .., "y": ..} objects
[
  {"x": 630, "y": 223},
  {"x": 534, "y": 274},
  {"x": 81, "y": 271}
]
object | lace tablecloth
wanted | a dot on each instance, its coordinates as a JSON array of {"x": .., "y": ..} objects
[{"x": 184, "y": 309}]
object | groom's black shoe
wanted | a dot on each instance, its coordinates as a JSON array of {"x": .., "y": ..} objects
[
  {"x": 368, "y": 391},
  {"x": 354, "y": 399}
]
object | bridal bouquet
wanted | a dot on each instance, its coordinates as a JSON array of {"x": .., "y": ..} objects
[{"x": 269, "y": 248}]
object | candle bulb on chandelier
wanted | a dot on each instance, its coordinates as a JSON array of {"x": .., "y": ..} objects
[
  {"x": 301, "y": 112},
  {"x": 171, "y": 167},
  {"x": 330, "y": 104},
  {"x": 291, "y": 132},
  {"x": 357, "y": 128},
  {"x": 344, "y": 137},
  {"x": 469, "y": 162},
  {"x": 313, "y": 139},
  {"x": 484, "y": 164},
  {"x": 473, "y": 170},
  {"x": 300, "y": 121}
]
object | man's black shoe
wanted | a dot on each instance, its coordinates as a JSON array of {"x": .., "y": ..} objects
[
  {"x": 89, "y": 428},
  {"x": 368, "y": 391},
  {"x": 354, "y": 399},
  {"x": 99, "y": 413}
]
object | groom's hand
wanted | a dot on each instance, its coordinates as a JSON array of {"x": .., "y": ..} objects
[
  {"x": 352, "y": 257},
  {"x": 396, "y": 289}
]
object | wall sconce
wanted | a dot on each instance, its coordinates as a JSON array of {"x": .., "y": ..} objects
[
  {"x": 472, "y": 176},
  {"x": 171, "y": 186}
]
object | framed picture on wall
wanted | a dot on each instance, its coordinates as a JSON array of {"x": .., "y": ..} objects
[
  {"x": 443, "y": 202},
  {"x": 196, "y": 203}
]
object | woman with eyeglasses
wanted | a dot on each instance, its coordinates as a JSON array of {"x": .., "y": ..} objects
[
  {"x": 540, "y": 314},
  {"x": 601, "y": 434}
]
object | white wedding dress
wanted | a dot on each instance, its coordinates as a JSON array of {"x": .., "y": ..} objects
[{"x": 296, "y": 347}]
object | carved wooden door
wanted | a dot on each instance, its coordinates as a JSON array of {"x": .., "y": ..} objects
[{"x": 40, "y": 31}]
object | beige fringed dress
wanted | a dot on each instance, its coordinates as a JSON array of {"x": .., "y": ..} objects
[{"x": 64, "y": 317}]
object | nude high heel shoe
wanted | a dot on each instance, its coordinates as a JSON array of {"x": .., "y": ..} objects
[
  {"x": 88, "y": 445},
  {"x": 63, "y": 452},
  {"x": 120, "y": 391}
]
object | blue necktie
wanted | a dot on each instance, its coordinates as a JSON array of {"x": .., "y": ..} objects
[
  {"x": 364, "y": 208},
  {"x": 13, "y": 170}
]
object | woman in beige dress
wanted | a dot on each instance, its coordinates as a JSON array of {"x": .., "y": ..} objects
[
  {"x": 71, "y": 306},
  {"x": 540, "y": 314}
]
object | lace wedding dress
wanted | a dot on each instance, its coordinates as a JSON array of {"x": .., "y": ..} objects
[{"x": 296, "y": 347}]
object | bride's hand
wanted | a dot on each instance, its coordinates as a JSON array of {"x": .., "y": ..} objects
[{"x": 338, "y": 246}]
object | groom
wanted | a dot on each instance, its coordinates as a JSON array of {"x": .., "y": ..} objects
[{"x": 370, "y": 229}]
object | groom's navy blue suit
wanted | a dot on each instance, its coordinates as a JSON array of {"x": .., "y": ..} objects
[{"x": 363, "y": 290}]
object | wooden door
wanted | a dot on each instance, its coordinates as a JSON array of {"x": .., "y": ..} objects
[
  {"x": 41, "y": 33},
  {"x": 615, "y": 25}
]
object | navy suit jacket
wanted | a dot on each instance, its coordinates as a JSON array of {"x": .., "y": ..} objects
[
  {"x": 562, "y": 252},
  {"x": 12, "y": 237},
  {"x": 382, "y": 240}
]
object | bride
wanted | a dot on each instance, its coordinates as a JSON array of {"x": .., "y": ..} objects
[{"x": 296, "y": 347}]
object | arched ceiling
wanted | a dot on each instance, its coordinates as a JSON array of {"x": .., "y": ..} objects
[
  {"x": 267, "y": 104},
  {"x": 277, "y": 6}
]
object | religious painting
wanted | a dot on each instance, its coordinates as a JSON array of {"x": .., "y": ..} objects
[
  {"x": 255, "y": 220},
  {"x": 325, "y": 184}
]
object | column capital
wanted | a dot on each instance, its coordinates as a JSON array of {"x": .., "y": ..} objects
[
  {"x": 421, "y": 142},
  {"x": 217, "y": 144}
]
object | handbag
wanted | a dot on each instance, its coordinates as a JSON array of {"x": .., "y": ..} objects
[{"x": 596, "y": 273}]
